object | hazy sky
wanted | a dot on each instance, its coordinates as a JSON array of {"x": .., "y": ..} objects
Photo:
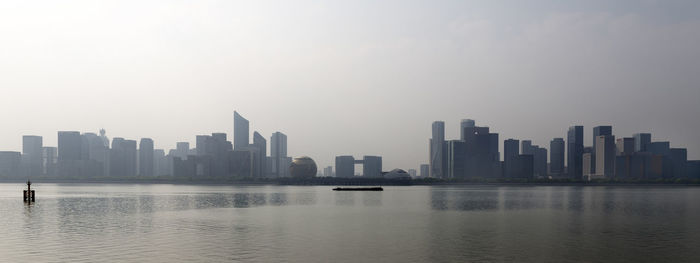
[{"x": 350, "y": 77}]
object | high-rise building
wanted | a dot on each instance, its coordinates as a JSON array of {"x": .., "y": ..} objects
[
  {"x": 160, "y": 163},
  {"x": 182, "y": 149},
  {"x": 424, "y": 170},
  {"x": 640, "y": 141},
  {"x": 49, "y": 159},
  {"x": 372, "y": 166},
  {"x": 278, "y": 155},
  {"x": 598, "y": 131},
  {"x": 130, "y": 154},
  {"x": 146, "y": 154},
  {"x": 32, "y": 155},
  {"x": 539, "y": 156},
  {"x": 10, "y": 164},
  {"x": 437, "y": 150},
  {"x": 624, "y": 146},
  {"x": 69, "y": 146},
  {"x": 456, "y": 158},
  {"x": 679, "y": 162},
  {"x": 344, "y": 166},
  {"x": 511, "y": 150},
  {"x": 241, "y": 132},
  {"x": 260, "y": 144},
  {"x": 465, "y": 123},
  {"x": 605, "y": 156},
  {"x": 556, "y": 157},
  {"x": 575, "y": 152}
]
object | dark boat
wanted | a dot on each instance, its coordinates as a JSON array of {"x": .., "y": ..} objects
[{"x": 358, "y": 189}]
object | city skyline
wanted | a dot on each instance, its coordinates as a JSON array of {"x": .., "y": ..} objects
[
  {"x": 319, "y": 71},
  {"x": 499, "y": 149}
]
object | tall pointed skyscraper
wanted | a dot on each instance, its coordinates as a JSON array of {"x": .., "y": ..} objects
[{"x": 241, "y": 132}]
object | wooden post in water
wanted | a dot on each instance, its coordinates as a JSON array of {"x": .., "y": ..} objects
[{"x": 29, "y": 195}]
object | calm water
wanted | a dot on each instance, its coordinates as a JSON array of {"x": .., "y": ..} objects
[{"x": 166, "y": 223}]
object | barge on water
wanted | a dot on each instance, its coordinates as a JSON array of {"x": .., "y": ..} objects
[{"x": 358, "y": 189}]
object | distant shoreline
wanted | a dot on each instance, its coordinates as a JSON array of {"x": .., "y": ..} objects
[{"x": 332, "y": 181}]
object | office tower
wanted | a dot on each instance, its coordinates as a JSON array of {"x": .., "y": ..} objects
[
  {"x": 556, "y": 157},
  {"x": 640, "y": 141},
  {"x": 693, "y": 169},
  {"x": 575, "y": 152},
  {"x": 146, "y": 162},
  {"x": 598, "y": 131},
  {"x": 240, "y": 162},
  {"x": 659, "y": 148},
  {"x": 160, "y": 163},
  {"x": 456, "y": 159},
  {"x": 511, "y": 150},
  {"x": 49, "y": 159},
  {"x": 605, "y": 156},
  {"x": 344, "y": 166},
  {"x": 424, "y": 170},
  {"x": 96, "y": 153},
  {"x": 10, "y": 164},
  {"x": 32, "y": 155},
  {"x": 412, "y": 173},
  {"x": 482, "y": 156},
  {"x": 625, "y": 146},
  {"x": 69, "y": 146},
  {"x": 70, "y": 154},
  {"x": 588, "y": 174},
  {"x": 241, "y": 132},
  {"x": 130, "y": 157},
  {"x": 679, "y": 162},
  {"x": 182, "y": 149},
  {"x": 278, "y": 153},
  {"x": 117, "y": 158},
  {"x": 465, "y": 123},
  {"x": 260, "y": 144},
  {"x": 437, "y": 150},
  {"x": 539, "y": 156},
  {"x": 372, "y": 166}
]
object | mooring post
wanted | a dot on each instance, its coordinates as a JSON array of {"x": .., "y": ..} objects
[{"x": 29, "y": 195}]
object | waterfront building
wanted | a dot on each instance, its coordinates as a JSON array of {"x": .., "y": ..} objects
[
  {"x": 605, "y": 156},
  {"x": 424, "y": 170},
  {"x": 344, "y": 166},
  {"x": 32, "y": 155},
  {"x": 241, "y": 132},
  {"x": 575, "y": 152},
  {"x": 146, "y": 156},
  {"x": 556, "y": 157},
  {"x": 437, "y": 150}
]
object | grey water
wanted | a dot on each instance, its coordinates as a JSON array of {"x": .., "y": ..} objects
[{"x": 196, "y": 223}]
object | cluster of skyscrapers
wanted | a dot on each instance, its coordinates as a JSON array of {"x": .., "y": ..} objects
[
  {"x": 476, "y": 155},
  {"x": 89, "y": 155}
]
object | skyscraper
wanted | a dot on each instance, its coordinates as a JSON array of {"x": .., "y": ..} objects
[
  {"x": 372, "y": 166},
  {"x": 424, "y": 170},
  {"x": 598, "y": 131},
  {"x": 344, "y": 166},
  {"x": 32, "y": 155},
  {"x": 146, "y": 155},
  {"x": 130, "y": 155},
  {"x": 278, "y": 155},
  {"x": 260, "y": 144},
  {"x": 605, "y": 156},
  {"x": 69, "y": 146},
  {"x": 465, "y": 123},
  {"x": 437, "y": 150},
  {"x": 556, "y": 156},
  {"x": 640, "y": 141},
  {"x": 511, "y": 150},
  {"x": 241, "y": 132},
  {"x": 575, "y": 152}
]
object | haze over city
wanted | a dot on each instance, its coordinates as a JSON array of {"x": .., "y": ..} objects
[{"x": 342, "y": 78}]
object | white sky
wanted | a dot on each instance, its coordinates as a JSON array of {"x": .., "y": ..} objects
[{"x": 350, "y": 77}]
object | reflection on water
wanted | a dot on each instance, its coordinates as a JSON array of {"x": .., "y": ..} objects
[{"x": 171, "y": 223}]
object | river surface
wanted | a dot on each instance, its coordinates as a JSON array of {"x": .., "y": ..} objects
[{"x": 196, "y": 223}]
